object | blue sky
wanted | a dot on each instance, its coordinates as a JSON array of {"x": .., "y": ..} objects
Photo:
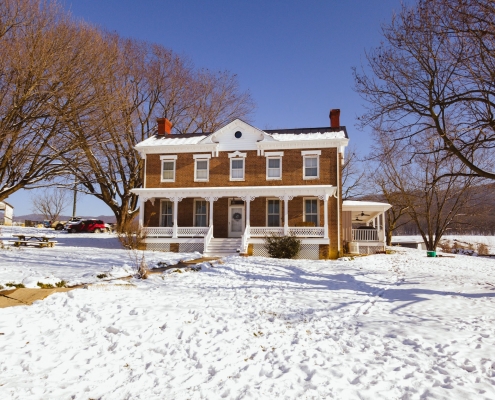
[{"x": 294, "y": 56}]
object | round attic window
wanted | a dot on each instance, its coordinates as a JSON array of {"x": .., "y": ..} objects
[{"x": 238, "y": 134}]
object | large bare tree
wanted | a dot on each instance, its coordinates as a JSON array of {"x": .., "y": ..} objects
[
  {"x": 142, "y": 82},
  {"x": 435, "y": 73},
  {"x": 45, "y": 61},
  {"x": 431, "y": 187}
]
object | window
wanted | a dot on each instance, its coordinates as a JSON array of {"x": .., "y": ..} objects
[
  {"x": 311, "y": 164},
  {"x": 274, "y": 168},
  {"x": 311, "y": 211},
  {"x": 168, "y": 168},
  {"x": 273, "y": 214},
  {"x": 200, "y": 213},
  {"x": 201, "y": 173},
  {"x": 167, "y": 211},
  {"x": 237, "y": 169},
  {"x": 311, "y": 167}
]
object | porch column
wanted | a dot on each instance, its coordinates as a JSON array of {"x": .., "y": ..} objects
[
  {"x": 384, "y": 230},
  {"x": 141, "y": 211},
  {"x": 325, "y": 216},
  {"x": 210, "y": 200},
  {"x": 286, "y": 199},
  {"x": 176, "y": 200},
  {"x": 247, "y": 200}
]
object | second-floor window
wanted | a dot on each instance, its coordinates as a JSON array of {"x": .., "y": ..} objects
[
  {"x": 168, "y": 168},
  {"x": 274, "y": 168},
  {"x": 237, "y": 169},
  {"x": 201, "y": 173},
  {"x": 311, "y": 161}
]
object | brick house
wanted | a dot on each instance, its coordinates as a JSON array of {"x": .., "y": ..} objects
[{"x": 222, "y": 192}]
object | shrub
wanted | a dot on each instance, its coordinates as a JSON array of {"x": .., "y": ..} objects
[
  {"x": 61, "y": 284},
  {"x": 483, "y": 249},
  {"x": 101, "y": 276},
  {"x": 45, "y": 285},
  {"x": 16, "y": 285},
  {"x": 282, "y": 246}
]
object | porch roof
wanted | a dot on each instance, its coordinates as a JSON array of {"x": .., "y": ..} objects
[
  {"x": 243, "y": 192},
  {"x": 364, "y": 211}
]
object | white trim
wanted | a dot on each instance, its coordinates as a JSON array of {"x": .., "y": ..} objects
[
  {"x": 317, "y": 208},
  {"x": 202, "y": 156},
  {"x": 237, "y": 154},
  {"x": 273, "y": 178},
  {"x": 196, "y": 179},
  {"x": 274, "y": 154},
  {"x": 168, "y": 157},
  {"x": 306, "y": 156},
  {"x": 239, "y": 191},
  {"x": 279, "y": 211},
  {"x": 194, "y": 211},
  {"x": 173, "y": 160},
  {"x": 311, "y": 153},
  {"x": 243, "y": 169}
]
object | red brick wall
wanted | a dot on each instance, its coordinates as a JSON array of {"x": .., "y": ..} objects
[{"x": 255, "y": 170}]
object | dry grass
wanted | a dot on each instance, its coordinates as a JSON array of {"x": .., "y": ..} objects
[
  {"x": 482, "y": 249},
  {"x": 133, "y": 238}
]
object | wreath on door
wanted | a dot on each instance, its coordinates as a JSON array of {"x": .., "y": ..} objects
[{"x": 237, "y": 216}]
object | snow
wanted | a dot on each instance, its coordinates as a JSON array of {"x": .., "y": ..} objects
[
  {"x": 172, "y": 140},
  {"x": 397, "y": 326},
  {"x": 286, "y": 137}
]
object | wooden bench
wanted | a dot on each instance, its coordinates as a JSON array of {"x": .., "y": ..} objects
[{"x": 19, "y": 243}]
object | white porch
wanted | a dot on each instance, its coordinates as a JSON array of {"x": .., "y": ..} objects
[
  {"x": 195, "y": 238},
  {"x": 364, "y": 225}
]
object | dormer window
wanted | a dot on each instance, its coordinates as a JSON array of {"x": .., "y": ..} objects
[{"x": 168, "y": 168}]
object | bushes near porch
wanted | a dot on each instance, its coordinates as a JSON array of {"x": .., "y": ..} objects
[{"x": 282, "y": 246}]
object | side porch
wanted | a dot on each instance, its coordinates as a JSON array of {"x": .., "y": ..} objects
[
  {"x": 222, "y": 221},
  {"x": 363, "y": 226}
]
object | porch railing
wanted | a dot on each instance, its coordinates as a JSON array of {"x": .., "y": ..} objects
[
  {"x": 208, "y": 238},
  {"x": 184, "y": 231},
  {"x": 303, "y": 231},
  {"x": 365, "y": 235}
]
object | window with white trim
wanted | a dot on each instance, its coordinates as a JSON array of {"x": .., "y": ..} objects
[
  {"x": 200, "y": 213},
  {"x": 168, "y": 168},
  {"x": 311, "y": 211},
  {"x": 167, "y": 213},
  {"x": 237, "y": 169},
  {"x": 273, "y": 168},
  {"x": 273, "y": 212},
  {"x": 311, "y": 164},
  {"x": 201, "y": 168}
]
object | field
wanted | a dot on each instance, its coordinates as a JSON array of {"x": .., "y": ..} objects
[{"x": 395, "y": 326}]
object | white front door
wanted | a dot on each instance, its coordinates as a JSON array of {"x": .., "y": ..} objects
[{"x": 236, "y": 221}]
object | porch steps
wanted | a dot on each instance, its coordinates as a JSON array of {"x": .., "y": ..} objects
[{"x": 222, "y": 247}]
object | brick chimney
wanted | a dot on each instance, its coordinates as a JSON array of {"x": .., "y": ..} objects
[
  {"x": 334, "y": 118},
  {"x": 164, "y": 126}
]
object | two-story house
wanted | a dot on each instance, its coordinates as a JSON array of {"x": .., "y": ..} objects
[{"x": 222, "y": 192}]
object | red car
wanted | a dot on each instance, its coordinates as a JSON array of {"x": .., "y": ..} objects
[{"x": 86, "y": 225}]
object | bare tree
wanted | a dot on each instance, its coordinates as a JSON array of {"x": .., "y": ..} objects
[
  {"x": 435, "y": 73},
  {"x": 45, "y": 61},
  {"x": 425, "y": 186},
  {"x": 50, "y": 202},
  {"x": 141, "y": 82},
  {"x": 353, "y": 175}
]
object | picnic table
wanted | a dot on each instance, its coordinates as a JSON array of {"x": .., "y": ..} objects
[{"x": 34, "y": 240}]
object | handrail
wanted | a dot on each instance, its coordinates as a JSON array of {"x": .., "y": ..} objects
[
  {"x": 245, "y": 240},
  {"x": 365, "y": 235},
  {"x": 208, "y": 238}
]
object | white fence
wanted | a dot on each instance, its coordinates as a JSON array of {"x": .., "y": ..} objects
[
  {"x": 365, "y": 235},
  {"x": 190, "y": 231},
  {"x": 300, "y": 231}
]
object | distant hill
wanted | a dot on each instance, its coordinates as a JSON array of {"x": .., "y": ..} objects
[{"x": 38, "y": 217}]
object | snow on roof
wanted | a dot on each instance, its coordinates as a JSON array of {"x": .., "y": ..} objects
[
  {"x": 286, "y": 137},
  {"x": 171, "y": 140},
  {"x": 359, "y": 203}
]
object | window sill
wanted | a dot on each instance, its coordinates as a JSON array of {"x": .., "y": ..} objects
[
  {"x": 167, "y": 180},
  {"x": 201, "y": 180},
  {"x": 237, "y": 179},
  {"x": 273, "y": 179},
  {"x": 307, "y": 178}
]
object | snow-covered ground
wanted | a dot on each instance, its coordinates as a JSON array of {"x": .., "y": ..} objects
[{"x": 399, "y": 326}]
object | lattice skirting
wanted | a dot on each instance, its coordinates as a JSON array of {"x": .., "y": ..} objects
[
  {"x": 363, "y": 249},
  {"x": 191, "y": 247},
  {"x": 308, "y": 251},
  {"x": 158, "y": 246}
]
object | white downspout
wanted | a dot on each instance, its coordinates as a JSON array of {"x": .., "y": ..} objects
[{"x": 339, "y": 165}]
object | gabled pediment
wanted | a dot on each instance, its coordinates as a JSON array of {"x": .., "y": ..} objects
[{"x": 237, "y": 135}]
